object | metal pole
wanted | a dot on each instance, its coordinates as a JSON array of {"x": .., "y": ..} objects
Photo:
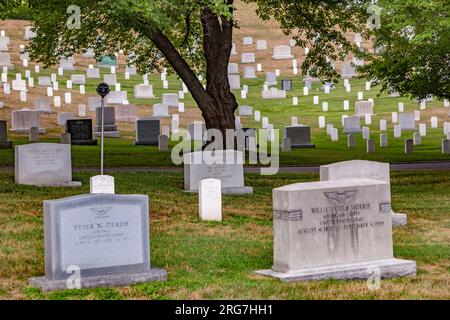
[
  {"x": 103, "y": 91},
  {"x": 102, "y": 135}
]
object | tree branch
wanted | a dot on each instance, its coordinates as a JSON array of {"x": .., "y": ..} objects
[{"x": 181, "y": 67}]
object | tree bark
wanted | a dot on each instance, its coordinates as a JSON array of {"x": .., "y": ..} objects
[{"x": 217, "y": 47}]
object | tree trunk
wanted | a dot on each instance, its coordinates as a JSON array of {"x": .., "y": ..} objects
[
  {"x": 217, "y": 47},
  {"x": 217, "y": 102}
]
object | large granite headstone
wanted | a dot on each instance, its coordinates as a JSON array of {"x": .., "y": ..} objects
[
  {"x": 407, "y": 121},
  {"x": 42, "y": 104},
  {"x": 282, "y": 52},
  {"x": 64, "y": 116},
  {"x": 248, "y": 57},
  {"x": 334, "y": 230},
  {"x": 98, "y": 240},
  {"x": 5, "y": 60},
  {"x": 286, "y": 84},
  {"x": 23, "y": 120},
  {"x": 67, "y": 64},
  {"x": 110, "y": 127},
  {"x": 250, "y": 72},
  {"x": 147, "y": 132},
  {"x": 143, "y": 91},
  {"x": 361, "y": 169},
  {"x": 93, "y": 73},
  {"x": 300, "y": 136},
  {"x": 4, "y": 143},
  {"x": 45, "y": 81},
  {"x": 161, "y": 110},
  {"x": 225, "y": 165},
  {"x": 94, "y": 103},
  {"x": 363, "y": 107},
  {"x": 80, "y": 131},
  {"x": 117, "y": 97},
  {"x": 44, "y": 164},
  {"x": 352, "y": 124},
  {"x": 170, "y": 99},
  {"x": 125, "y": 112}
]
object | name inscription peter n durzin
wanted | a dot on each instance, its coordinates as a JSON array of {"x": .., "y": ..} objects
[{"x": 105, "y": 229}]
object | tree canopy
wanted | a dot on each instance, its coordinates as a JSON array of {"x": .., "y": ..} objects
[
  {"x": 413, "y": 41},
  {"x": 111, "y": 26},
  {"x": 190, "y": 37}
]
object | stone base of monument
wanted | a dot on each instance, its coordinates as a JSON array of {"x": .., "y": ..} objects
[
  {"x": 389, "y": 268},
  {"x": 303, "y": 145},
  {"x": 233, "y": 190},
  {"x": 399, "y": 219},
  {"x": 109, "y": 134},
  {"x": 6, "y": 145},
  {"x": 112, "y": 280},
  {"x": 40, "y": 131}
]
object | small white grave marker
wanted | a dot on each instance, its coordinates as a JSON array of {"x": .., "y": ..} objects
[
  {"x": 360, "y": 96},
  {"x": 383, "y": 125},
  {"x": 423, "y": 129},
  {"x": 434, "y": 122},
  {"x": 321, "y": 122},
  {"x": 316, "y": 100},
  {"x": 210, "y": 199},
  {"x": 346, "y": 105},
  {"x": 102, "y": 184}
]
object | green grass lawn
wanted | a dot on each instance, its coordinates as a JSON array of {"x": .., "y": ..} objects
[
  {"x": 217, "y": 260},
  {"x": 122, "y": 153}
]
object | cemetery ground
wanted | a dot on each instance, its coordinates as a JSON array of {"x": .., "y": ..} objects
[{"x": 208, "y": 260}]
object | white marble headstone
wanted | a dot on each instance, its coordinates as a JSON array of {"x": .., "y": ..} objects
[{"x": 210, "y": 199}]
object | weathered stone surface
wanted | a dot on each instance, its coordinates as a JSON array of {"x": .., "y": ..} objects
[
  {"x": 4, "y": 143},
  {"x": 225, "y": 165},
  {"x": 300, "y": 136},
  {"x": 110, "y": 127},
  {"x": 147, "y": 131},
  {"x": 80, "y": 131},
  {"x": 361, "y": 169},
  {"x": 103, "y": 237},
  {"x": 334, "y": 229},
  {"x": 352, "y": 125},
  {"x": 44, "y": 164}
]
